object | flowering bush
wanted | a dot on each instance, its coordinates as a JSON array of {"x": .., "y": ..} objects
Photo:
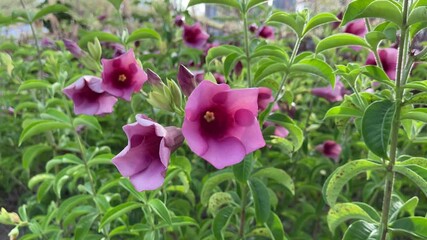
[{"x": 266, "y": 125}]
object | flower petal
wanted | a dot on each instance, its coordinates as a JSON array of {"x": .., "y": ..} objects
[
  {"x": 151, "y": 178},
  {"x": 224, "y": 153}
]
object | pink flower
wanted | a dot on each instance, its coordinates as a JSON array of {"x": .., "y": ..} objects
[
  {"x": 179, "y": 20},
  {"x": 186, "y": 80},
  {"x": 279, "y": 131},
  {"x": 220, "y": 123},
  {"x": 238, "y": 68},
  {"x": 330, "y": 149},
  {"x": 358, "y": 28},
  {"x": 88, "y": 96},
  {"x": 153, "y": 78},
  {"x": 194, "y": 36},
  {"x": 265, "y": 97},
  {"x": 388, "y": 58},
  {"x": 335, "y": 25},
  {"x": 146, "y": 157},
  {"x": 118, "y": 49},
  {"x": 122, "y": 76},
  {"x": 73, "y": 48},
  {"x": 253, "y": 27},
  {"x": 332, "y": 95},
  {"x": 266, "y": 32},
  {"x": 219, "y": 78}
]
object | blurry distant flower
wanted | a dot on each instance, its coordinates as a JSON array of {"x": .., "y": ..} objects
[
  {"x": 47, "y": 43},
  {"x": 179, "y": 20},
  {"x": 219, "y": 78},
  {"x": 388, "y": 58},
  {"x": 335, "y": 25},
  {"x": 118, "y": 49},
  {"x": 102, "y": 17},
  {"x": 73, "y": 48},
  {"x": 220, "y": 123},
  {"x": 356, "y": 27},
  {"x": 153, "y": 78},
  {"x": 146, "y": 157},
  {"x": 266, "y": 32},
  {"x": 330, "y": 149},
  {"x": 122, "y": 76},
  {"x": 290, "y": 109},
  {"x": 279, "y": 131},
  {"x": 194, "y": 36},
  {"x": 253, "y": 27},
  {"x": 332, "y": 95},
  {"x": 88, "y": 96},
  {"x": 186, "y": 80}
]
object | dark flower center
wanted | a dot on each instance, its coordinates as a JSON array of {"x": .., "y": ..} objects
[
  {"x": 122, "y": 78},
  {"x": 215, "y": 122}
]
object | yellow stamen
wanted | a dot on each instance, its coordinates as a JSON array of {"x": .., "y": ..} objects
[
  {"x": 209, "y": 116},
  {"x": 122, "y": 77}
]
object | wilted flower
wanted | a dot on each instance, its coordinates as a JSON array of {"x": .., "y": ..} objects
[
  {"x": 88, "y": 96},
  {"x": 388, "y": 58},
  {"x": 146, "y": 157},
  {"x": 186, "y": 80},
  {"x": 266, "y": 32},
  {"x": 179, "y": 20},
  {"x": 194, "y": 36},
  {"x": 330, "y": 149},
  {"x": 153, "y": 78},
  {"x": 122, "y": 75},
  {"x": 73, "y": 48},
  {"x": 253, "y": 27},
  {"x": 220, "y": 123},
  {"x": 332, "y": 95}
]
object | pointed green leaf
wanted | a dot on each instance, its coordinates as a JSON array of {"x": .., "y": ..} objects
[
  {"x": 55, "y": 8},
  {"x": 223, "y": 50},
  {"x": 345, "y": 112},
  {"x": 340, "y": 40},
  {"x": 30, "y": 153},
  {"x": 373, "y": 9},
  {"x": 415, "y": 226},
  {"x": 316, "y": 67},
  {"x": 34, "y": 84},
  {"x": 287, "y": 19},
  {"x": 362, "y": 230},
  {"x": 221, "y": 221},
  {"x": 377, "y": 74},
  {"x": 117, "y": 211},
  {"x": 341, "y": 212},
  {"x": 143, "y": 33},
  {"x": 417, "y": 174},
  {"x": 278, "y": 175},
  {"x": 418, "y": 15},
  {"x": 243, "y": 170},
  {"x": 213, "y": 181},
  {"x": 88, "y": 121},
  {"x": 409, "y": 207},
  {"x": 102, "y": 36},
  {"x": 160, "y": 209},
  {"x": 254, "y": 3},
  {"x": 419, "y": 114},
  {"x": 261, "y": 200},
  {"x": 230, "y": 3},
  {"x": 40, "y": 126},
  {"x": 318, "y": 20}
]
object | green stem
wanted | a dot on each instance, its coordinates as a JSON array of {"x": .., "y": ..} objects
[
  {"x": 400, "y": 80},
  {"x": 247, "y": 52},
  {"x": 243, "y": 212}
]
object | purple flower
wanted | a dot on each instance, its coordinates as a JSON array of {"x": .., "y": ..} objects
[
  {"x": 238, "y": 68},
  {"x": 253, "y": 27},
  {"x": 179, "y": 20},
  {"x": 118, "y": 49},
  {"x": 220, "y": 123},
  {"x": 332, "y": 95},
  {"x": 153, "y": 78},
  {"x": 266, "y": 32},
  {"x": 122, "y": 75},
  {"x": 265, "y": 97},
  {"x": 279, "y": 131},
  {"x": 73, "y": 48},
  {"x": 335, "y": 25},
  {"x": 146, "y": 157},
  {"x": 388, "y": 58},
  {"x": 219, "y": 78},
  {"x": 194, "y": 36},
  {"x": 47, "y": 43},
  {"x": 186, "y": 80},
  {"x": 88, "y": 96},
  {"x": 356, "y": 27},
  {"x": 330, "y": 149}
]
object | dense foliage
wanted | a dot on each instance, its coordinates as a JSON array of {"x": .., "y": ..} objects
[{"x": 302, "y": 126}]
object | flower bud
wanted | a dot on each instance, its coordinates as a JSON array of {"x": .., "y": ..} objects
[{"x": 186, "y": 80}]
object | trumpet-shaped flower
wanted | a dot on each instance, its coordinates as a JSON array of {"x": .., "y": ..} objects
[
  {"x": 330, "y": 149},
  {"x": 88, "y": 96},
  {"x": 194, "y": 36},
  {"x": 332, "y": 95},
  {"x": 220, "y": 123},
  {"x": 146, "y": 157},
  {"x": 266, "y": 32},
  {"x": 388, "y": 58},
  {"x": 122, "y": 76}
]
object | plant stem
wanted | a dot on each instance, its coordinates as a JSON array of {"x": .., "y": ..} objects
[
  {"x": 400, "y": 80},
  {"x": 248, "y": 54},
  {"x": 243, "y": 213}
]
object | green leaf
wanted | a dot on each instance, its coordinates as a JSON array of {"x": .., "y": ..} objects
[
  {"x": 415, "y": 226},
  {"x": 277, "y": 175},
  {"x": 420, "y": 98},
  {"x": 54, "y": 114},
  {"x": 362, "y": 230},
  {"x": 116, "y": 3},
  {"x": 70, "y": 203},
  {"x": 83, "y": 226},
  {"x": 409, "y": 206},
  {"x": 230, "y": 62},
  {"x": 212, "y": 182},
  {"x": 290, "y": 20},
  {"x": 89, "y": 121},
  {"x": 341, "y": 212},
  {"x": 117, "y": 211},
  {"x": 316, "y": 67},
  {"x": 376, "y": 126},
  {"x": 376, "y": 9},
  {"x": 254, "y": 3},
  {"x": 378, "y": 74},
  {"x": 275, "y": 226},
  {"x": 243, "y": 170},
  {"x": 418, "y": 15},
  {"x": 65, "y": 159},
  {"x": 100, "y": 159},
  {"x": 160, "y": 209},
  {"x": 30, "y": 153},
  {"x": 340, "y": 40},
  {"x": 374, "y": 38},
  {"x": 274, "y": 52},
  {"x": 337, "y": 180},
  {"x": 261, "y": 200},
  {"x": 40, "y": 126},
  {"x": 143, "y": 33},
  {"x": 223, "y": 50},
  {"x": 220, "y": 221},
  {"x": 55, "y": 8},
  {"x": 417, "y": 174},
  {"x": 102, "y": 36},
  {"x": 230, "y": 3},
  {"x": 318, "y": 20},
  {"x": 34, "y": 84},
  {"x": 419, "y": 114},
  {"x": 269, "y": 68},
  {"x": 345, "y": 112}
]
